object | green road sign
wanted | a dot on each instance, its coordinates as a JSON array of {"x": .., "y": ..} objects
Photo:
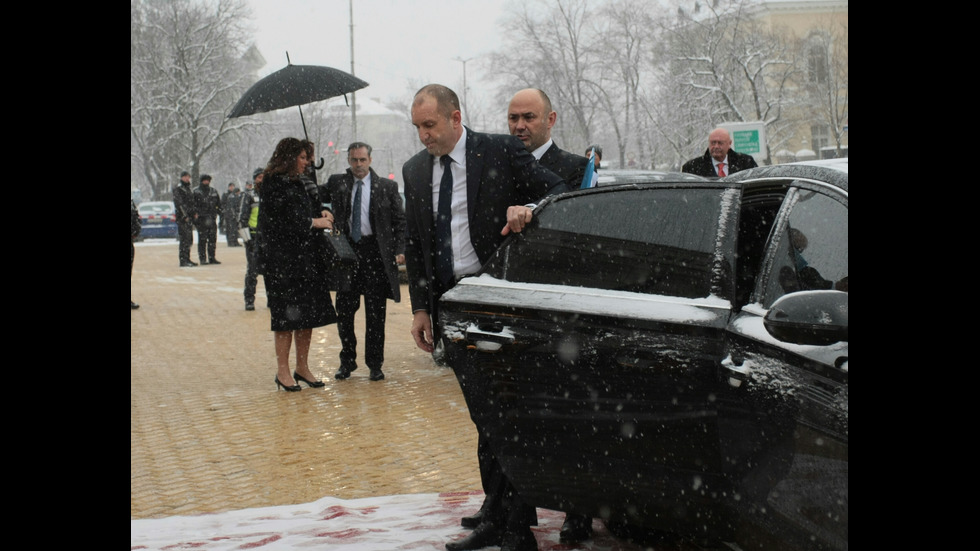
[{"x": 746, "y": 141}]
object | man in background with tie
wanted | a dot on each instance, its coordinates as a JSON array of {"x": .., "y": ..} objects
[
  {"x": 464, "y": 194},
  {"x": 368, "y": 208},
  {"x": 719, "y": 159}
]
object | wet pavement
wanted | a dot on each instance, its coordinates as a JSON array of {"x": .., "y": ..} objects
[{"x": 209, "y": 431}]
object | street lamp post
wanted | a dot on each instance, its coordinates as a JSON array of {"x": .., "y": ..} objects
[
  {"x": 465, "y": 105},
  {"x": 353, "y": 95}
]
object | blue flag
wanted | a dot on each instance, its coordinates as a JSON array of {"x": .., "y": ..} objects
[{"x": 589, "y": 172}]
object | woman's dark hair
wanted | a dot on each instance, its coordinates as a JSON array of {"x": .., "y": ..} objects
[{"x": 283, "y": 160}]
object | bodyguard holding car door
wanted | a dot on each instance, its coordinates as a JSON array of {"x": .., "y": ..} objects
[{"x": 530, "y": 117}]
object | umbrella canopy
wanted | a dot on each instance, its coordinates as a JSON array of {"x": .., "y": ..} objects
[{"x": 295, "y": 85}]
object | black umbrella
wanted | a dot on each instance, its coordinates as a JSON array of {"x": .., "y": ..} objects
[{"x": 295, "y": 85}]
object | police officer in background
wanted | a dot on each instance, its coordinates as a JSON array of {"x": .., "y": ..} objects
[
  {"x": 207, "y": 205},
  {"x": 248, "y": 217},
  {"x": 230, "y": 207},
  {"x": 184, "y": 204},
  {"x": 135, "y": 226}
]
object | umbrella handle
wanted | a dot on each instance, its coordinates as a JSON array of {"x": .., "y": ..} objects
[{"x": 318, "y": 167}]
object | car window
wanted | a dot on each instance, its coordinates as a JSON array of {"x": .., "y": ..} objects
[
  {"x": 155, "y": 208},
  {"x": 811, "y": 253},
  {"x": 656, "y": 240}
]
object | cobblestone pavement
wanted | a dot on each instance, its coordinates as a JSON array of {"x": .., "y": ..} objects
[{"x": 209, "y": 432}]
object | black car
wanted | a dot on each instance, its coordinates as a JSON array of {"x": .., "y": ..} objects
[
  {"x": 158, "y": 219},
  {"x": 630, "y": 176},
  {"x": 671, "y": 356}
]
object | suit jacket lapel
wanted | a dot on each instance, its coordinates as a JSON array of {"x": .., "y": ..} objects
[
  {"x": 344, "y": 198},
  {"x": 474, "y": 169},
  {"x": 425, "y": 183},
  {"x": 375, "y": 197},
  {"x": 550, "y": 157}
]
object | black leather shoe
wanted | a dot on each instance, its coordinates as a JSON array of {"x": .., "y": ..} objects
[
  {"x": 133, "y": 305},
  {"x": 484, "y": 535},
  {"x": 214, "y": 261},
  {"x": 377, "y": 375},
  {"x": 342, "y": 373},
  {"x": 576, "y": 528},
  {"x": 476, "y": 518},
  {"x": 250, "y": 306},
  {"x": 187, "y": 264},
  {"x": 472, "y": 521},
  {"x": 204, "y": 261},
  {"x": 519, "y": 540}
]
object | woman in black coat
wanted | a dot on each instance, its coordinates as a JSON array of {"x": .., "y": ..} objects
[{"x": 294, "y": 261}]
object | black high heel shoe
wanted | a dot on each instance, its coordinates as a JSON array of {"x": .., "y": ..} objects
[
  {"x": 313, "y": 384},
  {"x": 294, "y": 388}
]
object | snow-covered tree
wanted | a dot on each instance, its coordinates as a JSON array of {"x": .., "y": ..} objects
[{"x": 186, "y": 73}]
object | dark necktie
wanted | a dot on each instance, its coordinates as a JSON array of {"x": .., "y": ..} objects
[
  {"x": 355, "y": 215},
  {"x": 444, "y": 234}
]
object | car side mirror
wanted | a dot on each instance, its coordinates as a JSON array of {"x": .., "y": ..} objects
[{"x": 809, "y": 317}]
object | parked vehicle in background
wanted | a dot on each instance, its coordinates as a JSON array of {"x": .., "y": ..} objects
[
  {"x": 159, "y": 219},
  {"x": 672, "y": 356}
]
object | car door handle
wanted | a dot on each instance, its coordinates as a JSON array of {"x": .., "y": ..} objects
[
  {"x": 737, "y": 373},
  {"x": 487, "y": 340}
]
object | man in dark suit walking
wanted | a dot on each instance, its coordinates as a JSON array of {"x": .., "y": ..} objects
[
  {"x": 368, "y": 208},
  {"x": 719, "y": 159},
  {"x": 454, "y": 224}
]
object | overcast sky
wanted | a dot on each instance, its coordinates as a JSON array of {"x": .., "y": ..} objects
[{"x": 395, "y": 41}]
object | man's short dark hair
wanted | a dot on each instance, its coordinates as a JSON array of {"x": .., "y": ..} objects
[
  {"x": 358, "y": 145},
  {"x": 597, "y": 147},
  {"x": 446, "y": 100}
]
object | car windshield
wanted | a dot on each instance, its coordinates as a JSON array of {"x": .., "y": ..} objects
[{"x": 660, "y": 241}]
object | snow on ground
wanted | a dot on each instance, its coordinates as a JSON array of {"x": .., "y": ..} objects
[{"x": 413, "y": 521}]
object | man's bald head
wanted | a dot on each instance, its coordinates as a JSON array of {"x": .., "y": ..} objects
[{"x": 530, "y": 118}]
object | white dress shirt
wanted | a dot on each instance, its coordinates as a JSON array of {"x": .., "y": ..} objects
[
  {"x": 539, "y": 152},
  {"x": 465, "y": 260},
  {"x": 716, "y": 163},
  {"x": 365, "y": 205}
]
